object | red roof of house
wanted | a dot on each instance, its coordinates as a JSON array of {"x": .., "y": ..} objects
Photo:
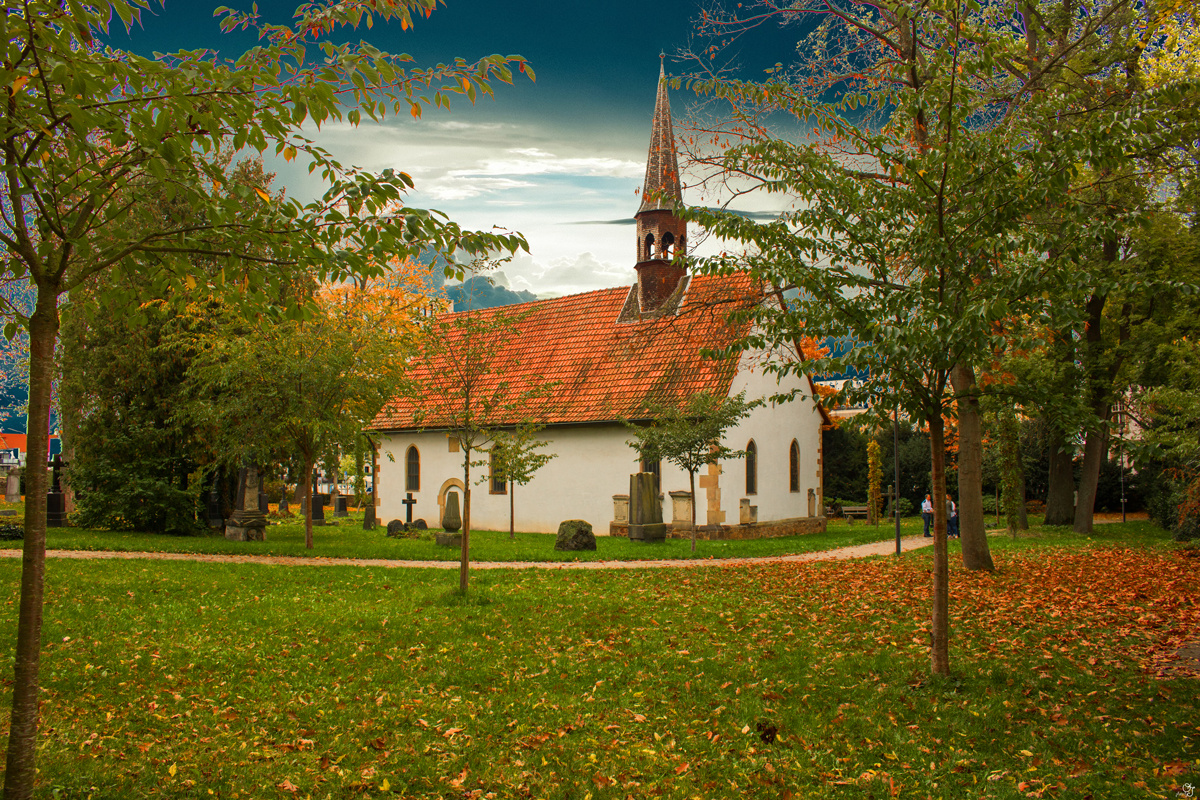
[{"x": 603, "y": 369}]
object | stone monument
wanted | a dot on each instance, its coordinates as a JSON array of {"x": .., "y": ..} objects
[
  {"x": 645, "y": 509},
  {"x": 13, "y": 493},
  {"x": 247, "y": 524},
  {"x": 56, "y": 501}
]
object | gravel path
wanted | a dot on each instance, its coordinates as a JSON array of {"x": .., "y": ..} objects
[{"x": 858, "y": 551}]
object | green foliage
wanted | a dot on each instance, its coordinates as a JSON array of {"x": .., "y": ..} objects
[
  {"x": 906, "y": 508},
  {"x": 11, "y": 532},
  {"x": 690, "y": 437},
  {"x": 516, "y": 457}
]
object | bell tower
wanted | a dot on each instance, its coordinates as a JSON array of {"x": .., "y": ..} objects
[{"x": 660, "y": 234}]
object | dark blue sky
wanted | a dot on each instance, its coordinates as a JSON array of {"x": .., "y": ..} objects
[{"x": 555, "y": 159}]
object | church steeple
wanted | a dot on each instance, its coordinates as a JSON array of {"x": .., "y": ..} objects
[
  {"x": 660, "y": 234},
  {"x": 661, "y": 189}
]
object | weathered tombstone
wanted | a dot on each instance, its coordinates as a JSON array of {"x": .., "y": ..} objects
[
  {"x": 318, "y": 508},
  {"x": 247, "y": 524},
  {"x": 264, "y": 502},
  {"x": 449, "y": 539},
  {"x": 575, "y": 534},
  {"x": 681, "y": 510},
  {"x": 283, "y": 504},
  {"x": 369, "y": 521},
  {"x": 451, "y": 520},
  {"x": 645, "y": 509},
  {"x": 395, "y": 528},
  {"x": 13, "y": 493},
  {"x": 339, "y": 506},
  {"x": 213, "y": 503},
  {"x": 56, "y": 502},
  {"x": 420, "y": 525}
]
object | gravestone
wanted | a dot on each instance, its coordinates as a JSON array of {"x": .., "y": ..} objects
[
  {"x": 645, "y": 509},
  {"x": 451, "y": 520},
  {"x": 339, "y": 506},
  {"x": 408, "y": 502},
  {"x": 13, "y": 493},
  {"x": 395, "y": 528},
  {"x": 264, "y": 502},
  {"x": 56, "y": 501},
  {"x": 369, "y": 521},
  {"x": 318, "y": 509},
  {"x": 213, "y": 505},
  {"x": 247, "y": 524},
  {"x": 283, "y": 504},
  {"x": 575, "y": 534}
]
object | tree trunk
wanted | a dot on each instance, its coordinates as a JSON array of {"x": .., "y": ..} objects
[
  {"x": 940, "y": 618},
  {"x": 1098, "y": 383},
  {"x": 1012, "y": 478},
  {"x": 464, "y": 561},
  {"x": 971, "y": 530},
  {"x": 1022, "y": 513},
  {"x": 1060, "y": 493},
  {"x": 512, "y": 513},
  {"x": 308, "y": 493},
  {"x": 1095, "y": 450},
  {"x": 21, "y": 769},
  {"x": 692, "y": 489}
]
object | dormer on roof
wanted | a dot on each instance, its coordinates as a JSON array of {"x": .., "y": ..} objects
[{"x": 660, "y": 234}]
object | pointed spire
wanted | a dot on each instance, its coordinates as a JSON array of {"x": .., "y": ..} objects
[{"x": 661, "y": 190}]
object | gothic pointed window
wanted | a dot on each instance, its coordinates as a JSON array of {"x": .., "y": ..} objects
[
  {"x": 751, "y": 468},
  {"x": 794, "y": 467},
  {"x": 412, "y": 477}
]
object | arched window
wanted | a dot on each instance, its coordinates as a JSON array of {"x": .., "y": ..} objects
[
  {"x": 668, "y": 242},
  {"x": 655, "y": 466},
  {"x": 412, "y": 477},
  {"x": 794, "y": 466},
  {"x": 649, "y": 246},
  {"x": 499, "y": 482},
  {"x": 751, "y": 468}
]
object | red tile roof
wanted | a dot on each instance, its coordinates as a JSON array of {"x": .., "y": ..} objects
[{"x": 603, "y": 369}]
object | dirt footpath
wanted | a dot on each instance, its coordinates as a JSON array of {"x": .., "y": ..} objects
[{"x": 859, "y": 551}]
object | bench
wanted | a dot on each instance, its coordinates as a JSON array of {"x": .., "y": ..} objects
[{"x": 850, "y": 512}]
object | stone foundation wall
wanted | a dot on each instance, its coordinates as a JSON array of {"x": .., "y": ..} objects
[{"x": 759, "y": 530}]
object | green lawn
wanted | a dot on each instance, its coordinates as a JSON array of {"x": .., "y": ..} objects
[
  {"x": 347, "y": 539},
  {"x": 181, "y": 680}
]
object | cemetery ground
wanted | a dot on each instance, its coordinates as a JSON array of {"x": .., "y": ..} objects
[
  {"x": 347, "y": 539},
  {"x": 190, "y": 679}
]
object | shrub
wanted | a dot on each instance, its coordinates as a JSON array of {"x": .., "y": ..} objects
[{"x": 12, "y": 531}]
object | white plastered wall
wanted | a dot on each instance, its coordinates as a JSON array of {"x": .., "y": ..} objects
[{"x": 594, "y": 462}]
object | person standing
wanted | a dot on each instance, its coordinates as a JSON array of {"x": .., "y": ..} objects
[
  {"x": 951, "y": 519},
  {"x": 927, "y": 514}
]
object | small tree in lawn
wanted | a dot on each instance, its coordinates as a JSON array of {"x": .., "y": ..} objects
[
  {"x": 515, "y": 458},
  {"x": 472, "y": 389},
  {"x": 692, "y": 436}
]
